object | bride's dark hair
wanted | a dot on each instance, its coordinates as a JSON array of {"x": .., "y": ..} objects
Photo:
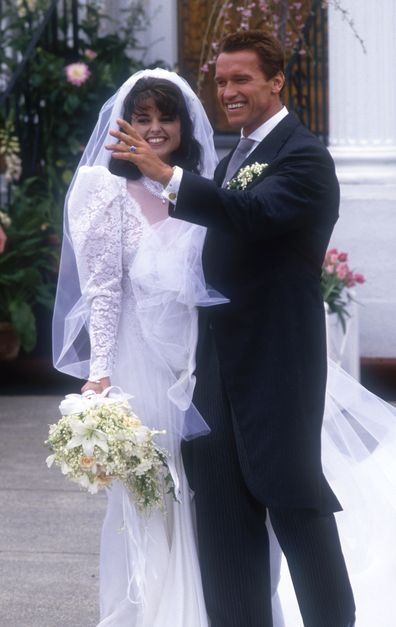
[{"x": 169, "y": 100}]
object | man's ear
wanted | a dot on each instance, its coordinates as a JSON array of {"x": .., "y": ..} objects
[{"x": 278, "y": 82}]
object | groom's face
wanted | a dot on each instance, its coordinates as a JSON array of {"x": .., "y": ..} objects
[{"x": 247, "y": 97}]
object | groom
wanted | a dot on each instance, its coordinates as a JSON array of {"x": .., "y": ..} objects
[{"x": 261, "y": 359}]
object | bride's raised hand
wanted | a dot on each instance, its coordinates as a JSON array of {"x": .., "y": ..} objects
[
  {"x": 132, "y": 147},
  {"x": 96, "y": 386}
]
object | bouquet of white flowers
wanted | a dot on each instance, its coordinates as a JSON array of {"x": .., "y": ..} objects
[{"x": 99, "y": 438}]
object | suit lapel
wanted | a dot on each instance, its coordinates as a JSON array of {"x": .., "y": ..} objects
[
  {"x": 266, "y": 150},
  {"x": 222, "y": 168}
]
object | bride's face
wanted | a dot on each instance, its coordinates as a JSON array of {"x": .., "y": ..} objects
[{"x": 158, "y": 129}]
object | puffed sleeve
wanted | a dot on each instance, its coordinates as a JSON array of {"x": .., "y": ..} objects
[{"x": 95, "y": 222}]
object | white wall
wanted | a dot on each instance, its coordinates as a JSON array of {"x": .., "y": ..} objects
[
  {"x": 363, "y": 144},
  {"x": 160, "y": 38}
]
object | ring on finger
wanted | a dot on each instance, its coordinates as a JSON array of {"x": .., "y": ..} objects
[{"x": 133, "y": 148}]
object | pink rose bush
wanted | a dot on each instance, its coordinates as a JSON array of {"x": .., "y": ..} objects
[{"x": 337, "y": 281}]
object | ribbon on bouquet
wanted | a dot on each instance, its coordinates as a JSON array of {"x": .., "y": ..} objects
[{"x": 77, "y": 403}]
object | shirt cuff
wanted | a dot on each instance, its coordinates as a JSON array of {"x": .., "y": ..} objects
[{"x": 172, "y": 189}]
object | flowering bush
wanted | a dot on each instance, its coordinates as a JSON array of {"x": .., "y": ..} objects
[
  {"x": 56, "y": 100},
  {"x": 285, "y": 19},
  {"x": 29, "y": 263},
  {"x": 337, "y": 281},
  {"x": 77, "y": 73},
  {"x": 10, "y": 159},
  {"x": 100, "y": 439}
]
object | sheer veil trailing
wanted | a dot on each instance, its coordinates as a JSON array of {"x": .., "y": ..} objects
[
  {"x": 71, "y": 349},
  {"x": 180, "y": 270}
]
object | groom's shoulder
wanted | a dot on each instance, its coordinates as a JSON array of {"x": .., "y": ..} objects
[
  {"x": 302, "y": 134},
  {"x": 301, "y": 139}
]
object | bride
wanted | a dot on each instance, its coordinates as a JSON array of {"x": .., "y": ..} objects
[{"x": 130, "y": 281}]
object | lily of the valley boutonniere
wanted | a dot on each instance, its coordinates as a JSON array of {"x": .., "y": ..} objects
[{"x": 246, "y": 176}]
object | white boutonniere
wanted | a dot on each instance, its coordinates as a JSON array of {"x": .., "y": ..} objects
[{"x": 246, "y": 176}]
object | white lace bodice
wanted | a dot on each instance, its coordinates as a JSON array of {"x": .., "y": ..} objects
[{"x": 106, "y": 225}]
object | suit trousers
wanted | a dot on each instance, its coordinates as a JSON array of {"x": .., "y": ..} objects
[{"x": 232, "y": 537}]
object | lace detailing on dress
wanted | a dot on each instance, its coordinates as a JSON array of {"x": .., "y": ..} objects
[{"x": 105, "y": 233}]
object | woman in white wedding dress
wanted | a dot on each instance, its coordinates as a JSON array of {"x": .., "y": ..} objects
[{"x": 133, "y": 278}]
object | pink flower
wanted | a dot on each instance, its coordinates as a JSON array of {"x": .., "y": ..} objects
[
  {"x": 342, "y": 271},
  {"x": 359, "y": 278},
  {"x": 90, "y": 54},
  {"x": 332, "y": 251},
  {"x": 350, "y": 280},
  {"x": 329, "y": 268},
  {"x": 343, "y": 257},
  {"x": 333, "y": 258},
  {"x": 77, "y": 73}
]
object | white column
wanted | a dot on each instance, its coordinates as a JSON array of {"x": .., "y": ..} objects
[
  {"x": 157, "y": 42},
  {"x": 362, "y": 93},
  {"x": 162, "y": 32}
]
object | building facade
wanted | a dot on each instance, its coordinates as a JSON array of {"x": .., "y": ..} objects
[{"x": 362, "y": 140}]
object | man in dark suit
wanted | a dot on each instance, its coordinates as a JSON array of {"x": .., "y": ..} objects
[{"x": 261, "y": 359}]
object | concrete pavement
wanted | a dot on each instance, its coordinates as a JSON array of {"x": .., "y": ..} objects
[{"x": 49, "y": 529}]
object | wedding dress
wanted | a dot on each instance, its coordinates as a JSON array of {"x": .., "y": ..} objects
[
  {"x": 144, "y": 281},
  {"x": 133, "y": 277}
]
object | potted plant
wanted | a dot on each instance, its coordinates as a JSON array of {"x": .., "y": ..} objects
[
  {"x": 27, "y": 267},
  {"x": 338, "y": 281}
]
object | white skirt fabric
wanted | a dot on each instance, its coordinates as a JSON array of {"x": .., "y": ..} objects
[
  {"x": 149, "y": 570},
  {"x": 359, "y": 461}
]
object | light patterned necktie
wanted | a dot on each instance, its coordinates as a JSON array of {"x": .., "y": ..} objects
[{"x": 238, "y": 157}]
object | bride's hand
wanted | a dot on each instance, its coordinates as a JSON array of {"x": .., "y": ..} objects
[
  {"x": 96, "y": 386},
  {"x": 133, "y": 148}
]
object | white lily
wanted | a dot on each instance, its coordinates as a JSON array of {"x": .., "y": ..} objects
[
  {"x": 74, "y": 404},
  {"x": 78, "y": 403},
  {"x": 84, "y": 482},
  {"x": 50, "y": 460},
  {"x": 87, "y": 436}
]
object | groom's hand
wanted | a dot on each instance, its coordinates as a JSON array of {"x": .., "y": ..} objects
[{"x": 133, "y": 148}]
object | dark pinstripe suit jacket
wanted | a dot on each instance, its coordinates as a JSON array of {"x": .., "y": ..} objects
[{"x": 264, "y": 250}]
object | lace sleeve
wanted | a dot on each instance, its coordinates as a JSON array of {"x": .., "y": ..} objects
[{"x": 95, "y": 227}]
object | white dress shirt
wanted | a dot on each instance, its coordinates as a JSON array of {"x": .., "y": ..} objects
[{"x": 172, "y": 189}]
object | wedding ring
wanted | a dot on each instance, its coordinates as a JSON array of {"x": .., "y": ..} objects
[{"x": 133, "y": 149}]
